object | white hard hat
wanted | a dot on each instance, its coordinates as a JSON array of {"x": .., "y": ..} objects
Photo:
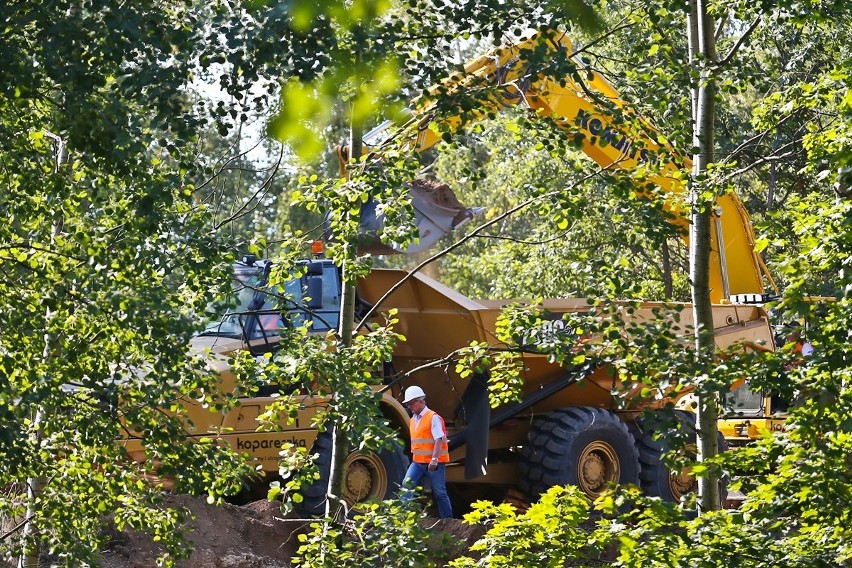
[{"x": 412, "y": 393}]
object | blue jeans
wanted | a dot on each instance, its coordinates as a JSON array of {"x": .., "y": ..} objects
[{"x": 416, "y": 472}]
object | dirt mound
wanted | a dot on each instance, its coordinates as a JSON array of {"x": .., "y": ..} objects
[
  {"x": 256, "y": 535},
  {"x": 253, "y": 536}
]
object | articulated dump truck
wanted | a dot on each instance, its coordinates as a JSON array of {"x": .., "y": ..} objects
[{"x": 571, "y": 427}]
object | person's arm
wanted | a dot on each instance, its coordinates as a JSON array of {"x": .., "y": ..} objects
[
  {"x": 438, "y": 434},
  {"x": 436, "y": 451}
]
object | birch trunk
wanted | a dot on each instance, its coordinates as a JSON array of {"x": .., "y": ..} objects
[
  {"x": 35, "y": 485},
  {"x": 703, "y": 56},
  {"x": 339, "y": 443}
]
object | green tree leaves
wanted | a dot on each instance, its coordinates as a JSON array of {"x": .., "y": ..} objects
[{"x": 108, "y": 264}]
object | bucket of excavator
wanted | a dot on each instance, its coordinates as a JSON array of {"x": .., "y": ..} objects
[{"x": 437, "y": 211}]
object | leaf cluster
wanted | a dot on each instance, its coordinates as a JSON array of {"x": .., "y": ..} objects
[{"x": 386, "y": 532}]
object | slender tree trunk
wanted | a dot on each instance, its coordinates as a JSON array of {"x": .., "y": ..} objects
[
  {"x": 703, "y": 56},
  {"x": 668, "y": 285},
  {"x": 347, "y": 316},
  {"x": 339, "y": 443},
  {"x": 35, "y": 485}
]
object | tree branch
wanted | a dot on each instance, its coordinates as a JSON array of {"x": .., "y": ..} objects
[
  {"x": 764, "y": 160},
  {"x": 255, "y": 196},
  {"x": 740, "y": 42}
]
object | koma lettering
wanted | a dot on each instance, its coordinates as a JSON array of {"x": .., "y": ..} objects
[{"x": 608, "y": 136}]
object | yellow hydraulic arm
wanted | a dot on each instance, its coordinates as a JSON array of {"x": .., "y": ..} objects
[{"x": 736, "y": 270}]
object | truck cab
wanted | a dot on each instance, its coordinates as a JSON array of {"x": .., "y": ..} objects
[{"x": 309, "y": 295}]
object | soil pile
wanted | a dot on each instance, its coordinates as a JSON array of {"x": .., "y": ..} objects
[
  {"x": 436, "y": 192},
  {"x": 256, "y": 535}
]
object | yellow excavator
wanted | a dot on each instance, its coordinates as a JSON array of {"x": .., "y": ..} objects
[
  {"x": 737, "y": 273},
  {"x": 573, "y": 424}
]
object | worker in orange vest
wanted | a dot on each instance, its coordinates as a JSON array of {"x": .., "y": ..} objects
[{"x": 430, "y": 453}]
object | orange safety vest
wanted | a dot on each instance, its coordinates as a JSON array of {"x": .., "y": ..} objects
[{"x": 422, "y": 442}]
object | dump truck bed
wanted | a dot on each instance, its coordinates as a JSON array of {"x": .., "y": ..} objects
[{"x": 437, "y": 321}]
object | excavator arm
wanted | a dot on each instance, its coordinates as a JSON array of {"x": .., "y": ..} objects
[{"x": 611, "y": 134}]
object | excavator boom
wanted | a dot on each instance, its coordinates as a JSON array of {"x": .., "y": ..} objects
[{"x": 611, "y": 133}]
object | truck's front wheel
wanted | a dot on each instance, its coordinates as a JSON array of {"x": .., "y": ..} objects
[
  {"x": 583, "y": 446},
  {"x": 367, "y": 476},
  {"x": 657, "y": 479}
]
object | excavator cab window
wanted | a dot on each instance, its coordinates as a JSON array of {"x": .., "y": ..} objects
[
  {"x": 250, "y": 280},
  {"x": 744, "y": 402}
]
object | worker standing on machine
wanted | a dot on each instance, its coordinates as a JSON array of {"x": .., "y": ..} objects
[{"x": 429, "y": 449}]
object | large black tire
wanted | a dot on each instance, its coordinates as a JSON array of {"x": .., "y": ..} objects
[
  {"x": 656, "y": 478},
  {"x": 368, "y": 476},
  {"x": 583, "y": 446}
]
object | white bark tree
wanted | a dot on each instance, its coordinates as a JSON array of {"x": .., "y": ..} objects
[{"x": 703, "y": 57}]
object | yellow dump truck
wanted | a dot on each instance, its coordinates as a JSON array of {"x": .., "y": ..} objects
[{"x": 569, "y": 427}]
